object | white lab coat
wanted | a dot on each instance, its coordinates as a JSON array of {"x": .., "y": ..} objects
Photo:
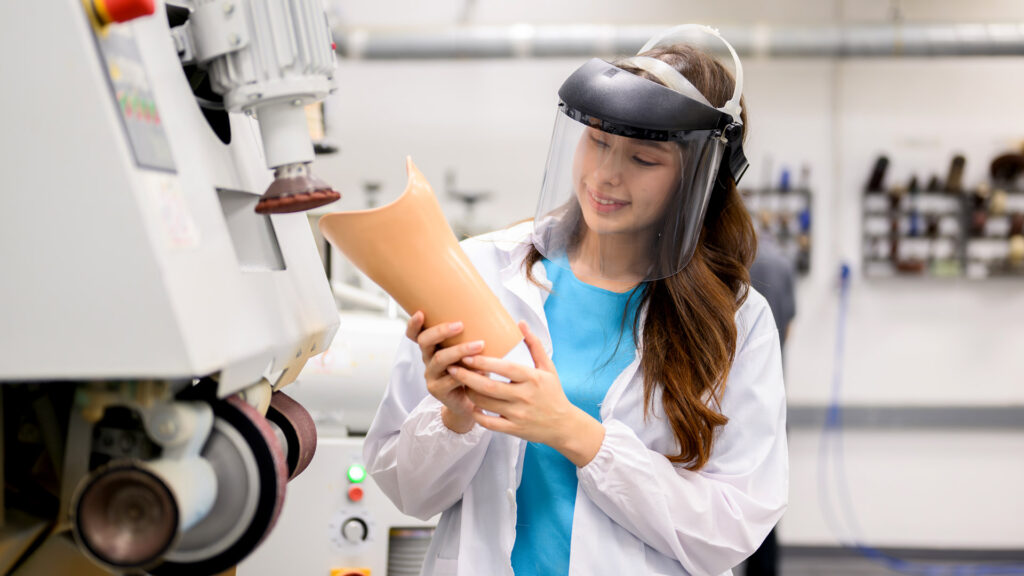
[{"x": 636, "y": 512}]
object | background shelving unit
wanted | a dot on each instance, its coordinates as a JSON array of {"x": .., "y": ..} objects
[
  {"x": 975, "y": 233},
  {"x": 907, "y": 232},
  {"x": 785, "y": 215},
  {"x": 995, "y": 241}
]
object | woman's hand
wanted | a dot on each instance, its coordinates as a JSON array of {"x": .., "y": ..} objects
[
  {"x": 458, "y": 409},
  {"x": 533, "y": 405}
]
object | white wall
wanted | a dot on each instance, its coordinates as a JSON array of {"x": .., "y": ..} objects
[
  {"x": 909, "y": 342},
  {"x": 913, "y": 342},
  {"x": 488, "y": 120}
]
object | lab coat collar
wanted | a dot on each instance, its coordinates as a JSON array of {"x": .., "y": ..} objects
[
  {"x": 515, "y": 281},
  {"x": 534, "y": 297}
]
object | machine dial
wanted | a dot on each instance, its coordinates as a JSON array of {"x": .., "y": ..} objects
[{"x": 354, "y": 530}]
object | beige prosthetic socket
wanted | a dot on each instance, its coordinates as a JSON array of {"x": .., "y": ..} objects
[{"x": 408, "y": 249}]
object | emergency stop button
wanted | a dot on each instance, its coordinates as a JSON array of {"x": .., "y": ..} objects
[
  {"x": 109, "y": 11},
  {"x": 350, "y": 572}
]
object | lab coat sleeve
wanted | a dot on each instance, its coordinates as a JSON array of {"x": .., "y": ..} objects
[
  {"x": 419, "y": 463},
  {"x": 709, "y": 520}
]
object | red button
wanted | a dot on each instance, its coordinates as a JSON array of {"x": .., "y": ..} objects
[
  {"x": 355, "y": 493},
  {"x": 123, "y": 10}
]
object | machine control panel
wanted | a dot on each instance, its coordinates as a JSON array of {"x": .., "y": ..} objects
[
  {"x": 133, "y": 96},
  {"x": 354, "y": 530},
  {"x": 355, "y": 493},
  {"x": 356, "y": 474},
  {"x": 322, "y": 530},
  {"x": 352, "y": 524}
]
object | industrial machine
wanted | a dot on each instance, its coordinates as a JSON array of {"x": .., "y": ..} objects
[
  {"x": 336, "y": 521},
  {"x": 160, "y": 287}
]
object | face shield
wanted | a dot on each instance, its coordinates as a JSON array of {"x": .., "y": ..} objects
[{"x": 630, "y": 171}]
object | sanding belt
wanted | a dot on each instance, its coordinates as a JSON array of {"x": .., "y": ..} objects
[{"x": 298, "y": 428}]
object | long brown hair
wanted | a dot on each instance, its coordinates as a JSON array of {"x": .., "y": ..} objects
[{"x": 689, "y": 332}]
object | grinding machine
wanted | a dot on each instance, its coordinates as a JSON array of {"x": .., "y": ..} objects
[{"x": 161, "y": 283}]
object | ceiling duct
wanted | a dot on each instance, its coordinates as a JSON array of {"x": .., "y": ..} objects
[{"x": 526, "y": 41}]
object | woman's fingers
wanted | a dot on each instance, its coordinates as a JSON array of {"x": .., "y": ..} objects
[
  {"x": 511, "y": 370},
  {"x": 487, "y": 403},
  {"x": 540, "y": 356},
  {"x": 496, "y": 423},
  {"x": 483, "y": 384},
  {"x": 439, "y": 387},
  {"x": 429, "y": 339},
  {"x": 415, "y": 325},
  {"x": 445, "y": 357},
  {"x": 436, "y": 334}
]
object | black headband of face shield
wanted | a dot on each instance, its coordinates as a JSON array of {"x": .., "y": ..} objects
[{"x": 606, "y": 97}]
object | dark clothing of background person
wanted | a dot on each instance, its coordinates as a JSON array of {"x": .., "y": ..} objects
[{"x": 773, "y": 275}]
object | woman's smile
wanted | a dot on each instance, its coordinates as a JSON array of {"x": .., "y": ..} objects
[{"x": 603, "y": 204}]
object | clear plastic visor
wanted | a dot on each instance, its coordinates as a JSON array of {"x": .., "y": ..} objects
[{"x": 621, "y": 210}]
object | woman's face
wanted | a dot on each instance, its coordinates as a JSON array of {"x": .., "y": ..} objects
[{"x": 624, "y": 184}]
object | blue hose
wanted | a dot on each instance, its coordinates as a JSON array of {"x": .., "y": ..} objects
[{"x": 832, "y": 448}]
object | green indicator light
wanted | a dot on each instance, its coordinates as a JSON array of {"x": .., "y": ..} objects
[{"x": 356, "y": 473}]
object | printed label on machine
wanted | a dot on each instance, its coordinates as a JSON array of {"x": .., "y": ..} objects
[
  {"x": 134, "y": 99},
  {"x": 179, "y": 227}
]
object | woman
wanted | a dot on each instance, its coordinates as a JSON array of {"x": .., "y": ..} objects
[{"x": 644, "y": 432}]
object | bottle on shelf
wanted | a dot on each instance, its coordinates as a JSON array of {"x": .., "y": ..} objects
[
  {"x": 978, "y": 200},
  {"x": 803, "y": 241},
  {"x": 805, "y": 177},
  {"x": 932, "y": 226},
  {"x": 896, "y": 194},
  {"x": 1015, "y": 255},
  {"x": 914, "y": 216},
  {"x": 997, "y": 203},
  {"x": 1006, "y": 168},
  {"x": 1017, "y": 224},
  {"x": 894, "y": 239},
  {"x": 803, "y": 254},
  {"x": 954, "y": 181},
  {"x": 876, "y": 182},
  {"x": 785, "y": 230}
]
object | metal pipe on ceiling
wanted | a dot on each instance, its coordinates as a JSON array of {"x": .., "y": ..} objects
[{"x": 528, "y": 41}]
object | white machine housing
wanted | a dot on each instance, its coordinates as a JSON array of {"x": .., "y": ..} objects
[{"x": 128, "y": 237}]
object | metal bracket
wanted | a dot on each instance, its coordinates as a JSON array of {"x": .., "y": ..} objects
[
  {"x": 184, "y": 43},
  {"x": 218, "y": 28},
  {"x": 181, "y": 428}
]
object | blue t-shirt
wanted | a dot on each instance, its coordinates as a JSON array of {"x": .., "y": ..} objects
[{"x": 592, "y": 345}]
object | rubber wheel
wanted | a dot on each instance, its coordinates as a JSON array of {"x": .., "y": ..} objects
[{"x": 273, "y": 476}]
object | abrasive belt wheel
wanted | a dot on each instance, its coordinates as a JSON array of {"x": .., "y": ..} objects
[
  {"x": 251, "y": 477},
  {"x": 298, "y": 428}
]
